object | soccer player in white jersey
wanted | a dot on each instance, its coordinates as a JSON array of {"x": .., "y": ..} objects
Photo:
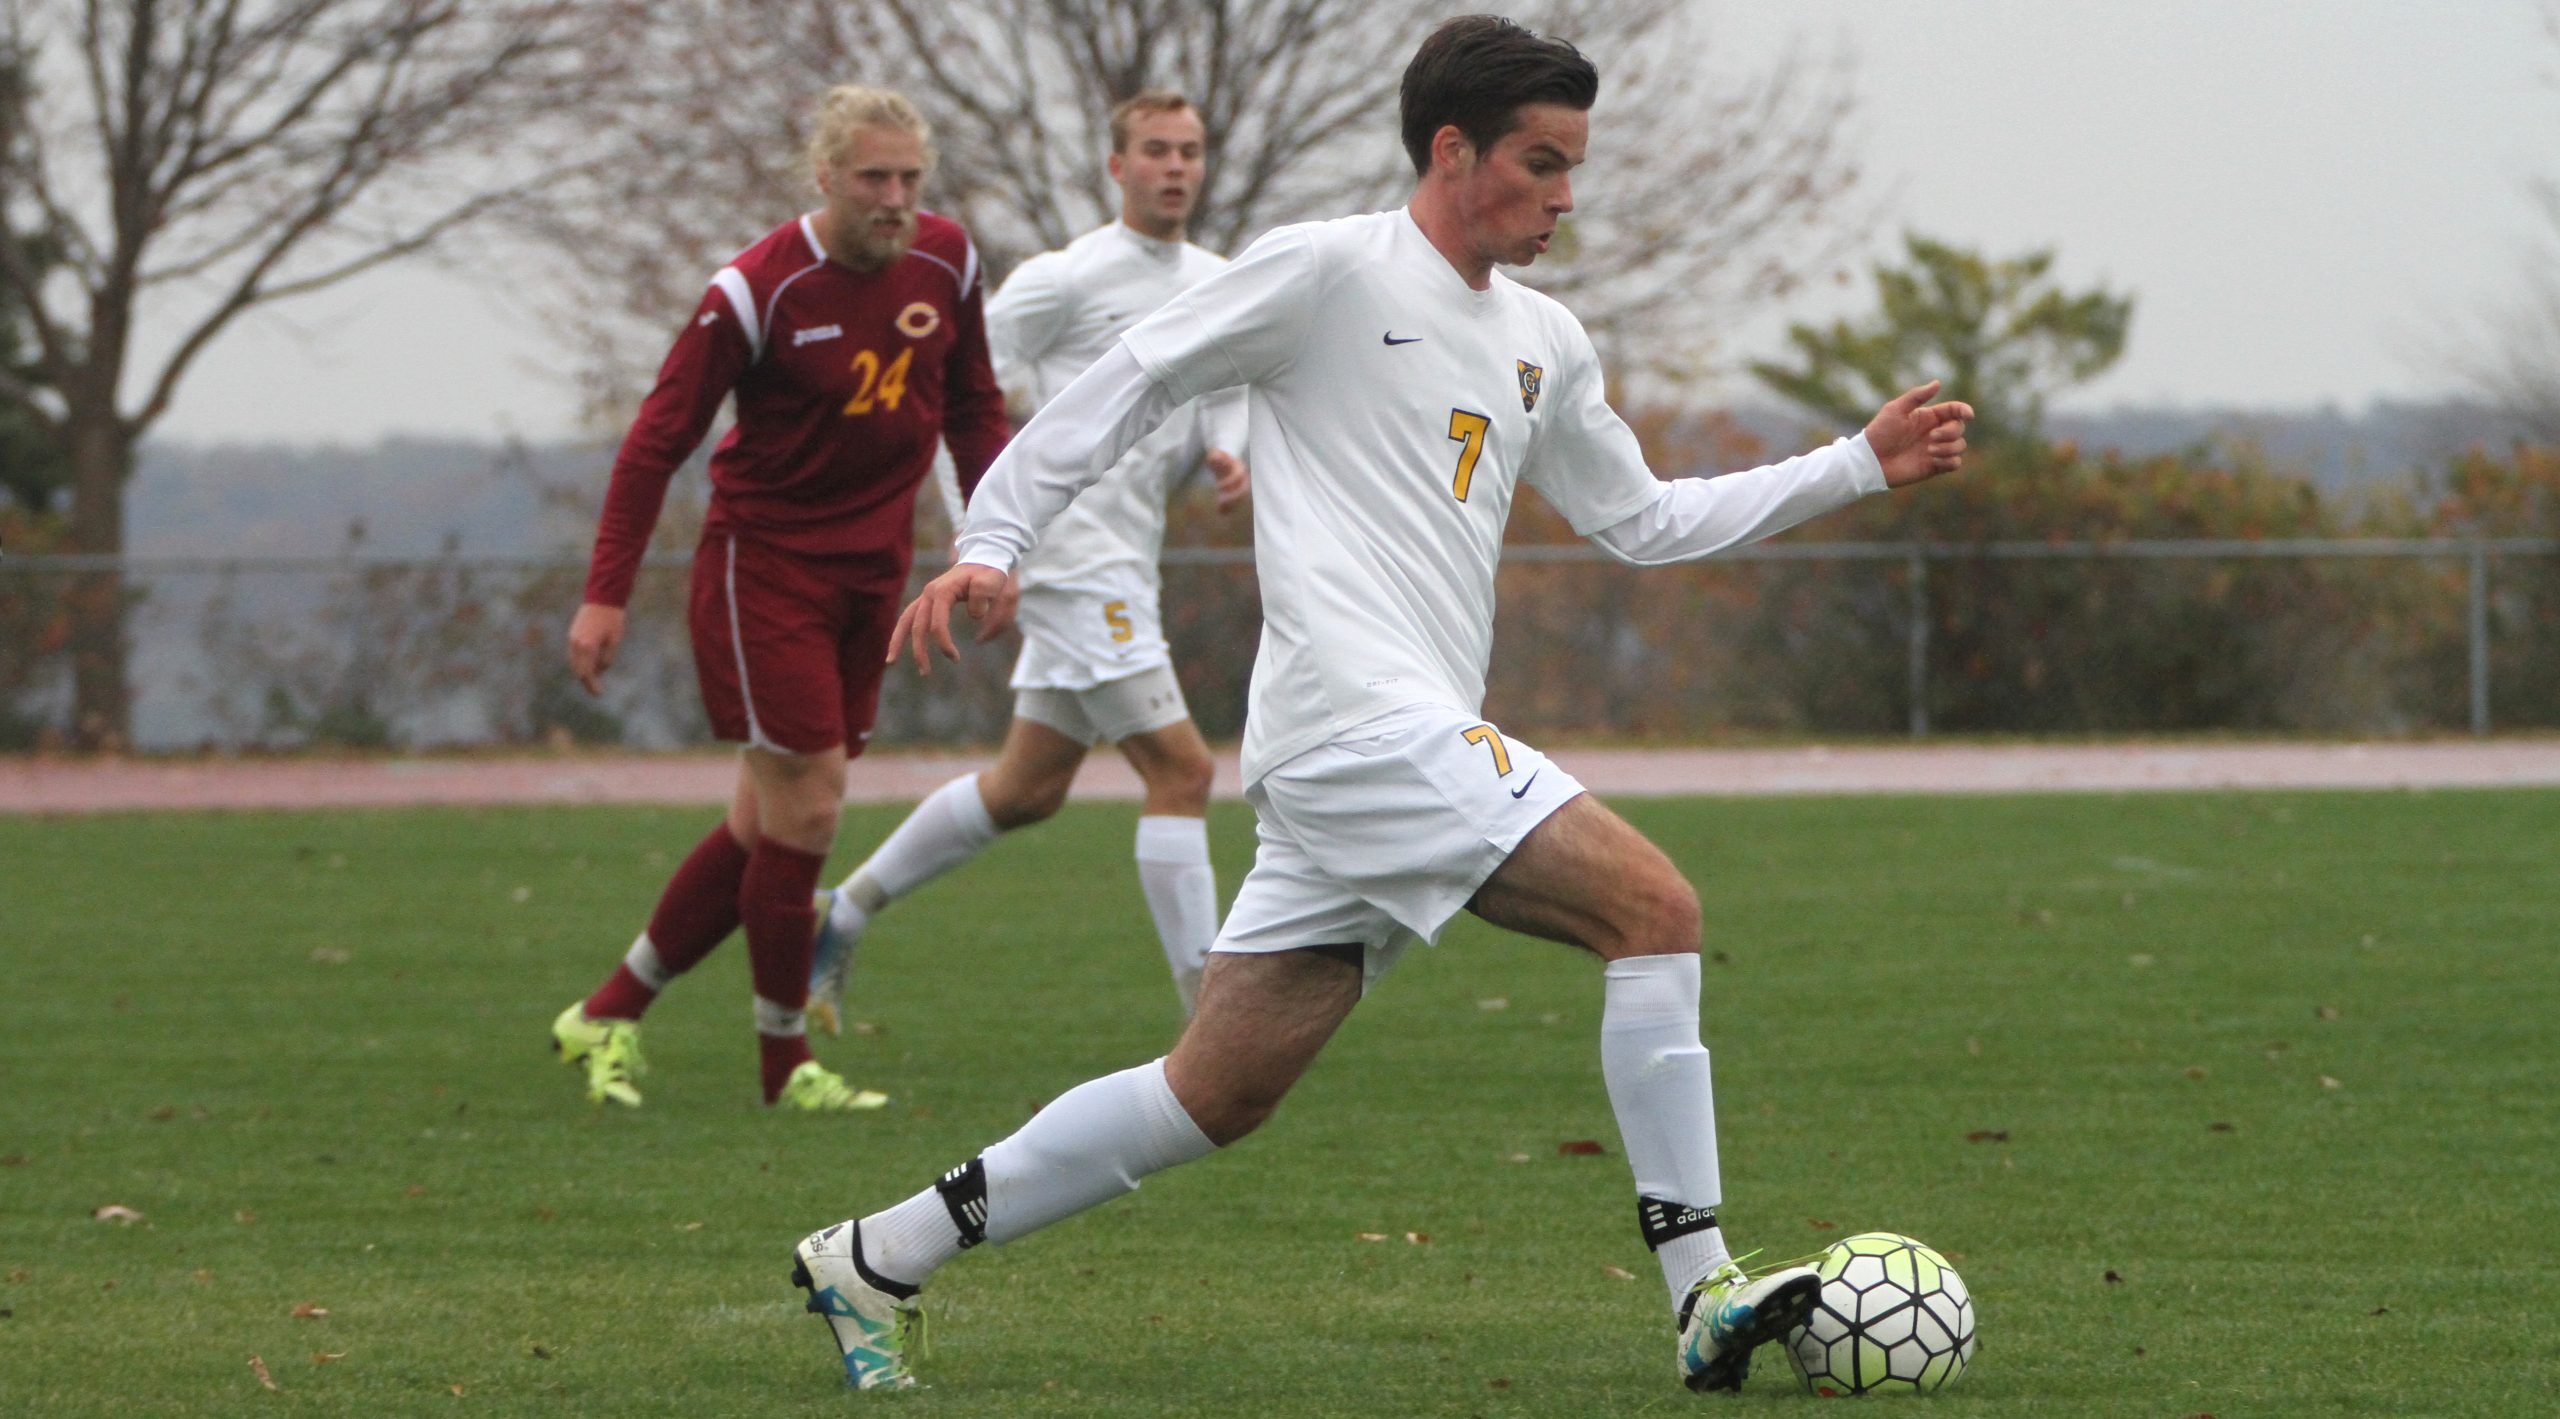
[
  {"x": 1401, "y": 390},
  {"x": 1094, "y": 666}
]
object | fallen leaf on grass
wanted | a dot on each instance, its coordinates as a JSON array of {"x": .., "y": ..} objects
[
  {"x": 2200, "y": 1414},
  {"x": 1820, "y": 1224},
  {"x": 865, "y": 1027},
  {"x": 1498, "y": 1384},
  {"x": 115, "y": 1212},
  {"x": 164, "y": 1113},
  {"x": 1496, "y": 1003},
  {"x": 688, "y": 1226},
  {"x": 323, "y": 1357},
  {"x": 2197, "y": 1071},
  {"x": 1417, "y": 1239},
  {"x": 13, "y": 1160},
  {"x": 244, "y": 1217},
  {"x": 2113, "y": 1279},
  {"x": 457, "y": 1391},
  {"x": 304, "y": 1310},
  {"x": 2328, "y": 1083},
  {"x": 2326, "y": 1012},
  {"x": 541, "y": 1352},
  {"x": 2379, "y": 1311},
  {"x": 1987, "y": 1135},
  {"x": 2139, "y": 959},
  {"x": 1582, "y": 1148},
  {"x": 258, "y": 1367},
  {"x": 19, "y": 1273},
  {"x": 1617, "y": 1273},
  {"x": 203, "y": 1275},
  {"x": 2218, "y": 1128},
  {"x": 1372, "y": 1236},
  {"x": 329, "y": 956},
  {"x": 1519, "y": 1158},
  {"x": 414, "y": 1190}
]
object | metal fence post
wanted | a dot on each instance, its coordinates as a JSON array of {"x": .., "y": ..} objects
[
  {"x": 2479, "y": 639},
  {"x": 1917, "y": 673}
]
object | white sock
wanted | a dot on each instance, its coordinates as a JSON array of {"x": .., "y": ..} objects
[
  {"x": 1182, "y": 895},
  {"x": 1664, "y": 1097},
  {"x": 1091, "y": 1144},
  {"x": 643, "y": 963},
  {"x": 947, "y": 829}
]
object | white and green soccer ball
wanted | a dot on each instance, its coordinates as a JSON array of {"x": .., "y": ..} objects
[{"x": 1893, "y": 1316}]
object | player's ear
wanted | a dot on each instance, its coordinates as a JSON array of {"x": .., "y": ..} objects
[
  {"x": 1113, "y": 166},
  {"x": 1450, "y": 149}
]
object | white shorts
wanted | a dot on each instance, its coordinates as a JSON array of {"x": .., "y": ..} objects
[
  {"x": 1383, "y": 835},
  {"x": 1109, "y": 712},
  {"x": 1075, "y": 638}
]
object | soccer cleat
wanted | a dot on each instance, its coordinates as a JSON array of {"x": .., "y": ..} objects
[
  {"x": 813, "y": 1088},
  {"x": 871, "y": 1325},
  {"x": 828, "y": 966},
  {"x": 609, "y": 1050},
  {"x": 1728, "y": 1315}
]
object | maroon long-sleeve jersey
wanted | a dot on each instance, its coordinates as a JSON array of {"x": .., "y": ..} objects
[{"x": 844, "y": 379}]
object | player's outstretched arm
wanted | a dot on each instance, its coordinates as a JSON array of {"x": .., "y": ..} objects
[
  {"x": 988, "y": 594},
  {"x": 1915, "y": 440}
]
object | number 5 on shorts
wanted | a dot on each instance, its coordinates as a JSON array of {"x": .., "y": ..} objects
[
  {"x": 1116, "y": 615},
  {"x": 1491, "y": 738}
]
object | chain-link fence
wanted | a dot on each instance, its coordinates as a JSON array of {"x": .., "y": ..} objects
[{"x": 1856, "y": 639}]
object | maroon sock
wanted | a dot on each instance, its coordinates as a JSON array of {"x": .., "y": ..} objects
[
  {"x": 782, "y": 925},
  {"x": 696, "y": 913}
]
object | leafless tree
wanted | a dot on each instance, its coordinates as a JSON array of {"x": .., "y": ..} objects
[
  {"x": 175, "y": 163},
  {"x": 2514, "y": 357},
  {"x": 1708, "y": 191}
]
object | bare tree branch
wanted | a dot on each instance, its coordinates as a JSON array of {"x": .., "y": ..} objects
[{"x": 1710, "y": 192}]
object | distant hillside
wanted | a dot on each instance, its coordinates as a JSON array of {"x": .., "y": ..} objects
[
  {"x": 402, "y": 496},
  {"x": 411, "y": 496}
]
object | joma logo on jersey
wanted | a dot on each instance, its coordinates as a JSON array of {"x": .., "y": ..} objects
[
  {"x": 1532, "y": 378},
  {"x": 919, "y": 320},
  {"x": 814, "y": 334}
]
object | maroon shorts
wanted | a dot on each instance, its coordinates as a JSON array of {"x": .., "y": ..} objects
[{"x": 790, "y": 649}]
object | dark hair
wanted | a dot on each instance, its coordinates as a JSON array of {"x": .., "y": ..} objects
[{"x": 1476, "y": 71}]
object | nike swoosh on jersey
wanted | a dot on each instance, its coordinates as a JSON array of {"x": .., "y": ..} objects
[
  {"x": 1408, "y": 340},
  {"x": 1523, "y": 789}
]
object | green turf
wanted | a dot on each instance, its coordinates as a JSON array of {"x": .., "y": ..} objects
[{"x": 2148, "y": 996}]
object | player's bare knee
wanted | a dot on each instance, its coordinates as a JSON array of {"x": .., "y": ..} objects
[
  {"x": 1024, "y": 804},
  {"x": 1658, "y": 916},
  {"x": 1181, "y": 786},
  {"x": 1229, "y": 1114}
]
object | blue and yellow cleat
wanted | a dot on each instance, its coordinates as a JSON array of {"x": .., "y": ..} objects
[
  {"x": 872, "y": 1325},
  {"x": 829, "y": 964},
  {"x": 1729, "y": 1314}
]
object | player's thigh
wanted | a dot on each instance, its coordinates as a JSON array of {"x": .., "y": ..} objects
[
  {"x": 767, "y": 628},
  {"x": 867, "y": 613},
  {"x": 1033, "y": 771},
  {"x": 1587, "y": 878}
]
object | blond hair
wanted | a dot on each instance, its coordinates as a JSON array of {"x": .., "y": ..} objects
[
  {"x": 847, "y": 108},
  {"x": 1125, "y": 113}
]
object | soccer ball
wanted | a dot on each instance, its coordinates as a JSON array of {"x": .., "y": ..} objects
[{"x": 1892, "y": 1316}]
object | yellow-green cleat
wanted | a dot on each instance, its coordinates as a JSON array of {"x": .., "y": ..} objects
[
  {"x": 815, "y": 1089},
  {"x": 607, "y": 1050}
]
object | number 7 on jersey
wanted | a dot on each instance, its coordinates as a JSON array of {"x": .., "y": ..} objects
[{"x": 1467, "y": 431}]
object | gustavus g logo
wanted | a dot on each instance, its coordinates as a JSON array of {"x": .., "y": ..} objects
[{"x": 1531, "y": 378}]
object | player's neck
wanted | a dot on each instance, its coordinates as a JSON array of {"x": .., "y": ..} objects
[
  {"x": 1169, "y": 233},
  {"x": 1437, "y": 215}
]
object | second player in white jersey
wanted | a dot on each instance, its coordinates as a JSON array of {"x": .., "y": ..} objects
[{"x": 1089, "y": 590}]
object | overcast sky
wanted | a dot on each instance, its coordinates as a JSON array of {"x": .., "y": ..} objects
[{"x": 2305, "y": 197}]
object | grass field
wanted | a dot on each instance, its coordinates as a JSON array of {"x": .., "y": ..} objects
[{"x": 2237, "y": 1104}]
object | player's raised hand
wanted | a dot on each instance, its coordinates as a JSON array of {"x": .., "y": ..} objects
[
  {"x": 1916, "y": 440},
  {"x": 1235, "y": 484},
  {"x": 595, "y": 634},
  {"x": 988, "y": 594}
]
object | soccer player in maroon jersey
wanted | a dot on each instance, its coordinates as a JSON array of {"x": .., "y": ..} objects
[{"x": 853, "y": 340}]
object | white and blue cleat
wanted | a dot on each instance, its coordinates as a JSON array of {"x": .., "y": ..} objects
[
  {"x": 829, "y": 964},
  {"x": 872, "y": 1326}
]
